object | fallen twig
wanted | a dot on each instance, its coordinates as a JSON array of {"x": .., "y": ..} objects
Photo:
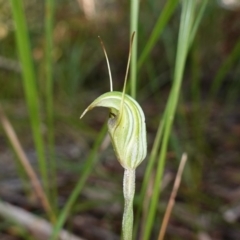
[
  {"x": 39, "y": 228},
  {"x": 36, "y": 185},
  {"x": 172, "y": 197}
]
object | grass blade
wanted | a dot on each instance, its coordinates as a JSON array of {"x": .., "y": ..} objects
[
  {"x": 198, "y": 20},
  {"x": 224, "y": 69},
  {"x": 90, "y": 162},
  {"x": 183, "y": 46},
  {"x": 147, "y": 174},
  {"x": 36, "y": 185},
  {"x": 29, "y": 84},
  {"x": 134, "y": 28},
  {"x": 163, "y": 18},
  {"x": 49, "y": 18}
]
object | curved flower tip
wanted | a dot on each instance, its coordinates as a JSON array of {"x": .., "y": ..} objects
[
  {"x": 86, "y": 110},
  {"x": 126, "y": 126}
]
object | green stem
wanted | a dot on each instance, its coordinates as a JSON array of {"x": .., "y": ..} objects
[
  {"x": 161, "y": 23},
  {"x": 49, "y": 13},
  {"x": 128, "y": 192},
  {"x": 134, "y": 28},
  {"x": 90, "y": 163},
  {"x": 30, "y": 85},
  {"x": 182, "y": 50}
]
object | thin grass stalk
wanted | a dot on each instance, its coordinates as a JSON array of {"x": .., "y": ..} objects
[
  {"x": 162, "y": 21},
  {"x": 90, "y": 162},
  {"x": 134, "y": 28},
  {"x": 49, "y": 18},
  {"x": 224, "y": 69},
  {"x": 195, "y": 87},
  {"x": 172, "y": 197},
  {"x": 159, "y": 26},
  {"x": 36, "y": 185},
  {"x": 29, "y": 84},
  {"x": 197, "y": 115},
  {"x": 233, "y": 91},
  {"x": 198, "y": 20},
  {"x": 157, "y": 140},
  {"x": 183, "y": 45},
  {"x": 195, "y": 75},
  {"x": 147, "y": 174}
]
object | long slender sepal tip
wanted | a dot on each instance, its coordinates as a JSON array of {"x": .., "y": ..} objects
[{"x": 83, "y": 113}]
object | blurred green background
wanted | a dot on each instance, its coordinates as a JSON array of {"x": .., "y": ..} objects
[{"x": 206, "y": 127}]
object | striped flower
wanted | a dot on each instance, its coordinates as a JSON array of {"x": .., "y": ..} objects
[{"x": 126, "y": 126}]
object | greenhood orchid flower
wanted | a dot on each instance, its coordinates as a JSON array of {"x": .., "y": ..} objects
[{"x": 127, "y": 129}]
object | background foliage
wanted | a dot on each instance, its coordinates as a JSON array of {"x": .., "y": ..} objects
[{"x": 69, "y": 71}]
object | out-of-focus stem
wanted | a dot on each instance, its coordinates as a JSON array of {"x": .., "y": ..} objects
[
  {"x": 134, "y": 28},
  {"x": 36, "y": 185}
]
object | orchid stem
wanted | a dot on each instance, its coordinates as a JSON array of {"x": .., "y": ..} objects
[{"x": 128, "y": 192}]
